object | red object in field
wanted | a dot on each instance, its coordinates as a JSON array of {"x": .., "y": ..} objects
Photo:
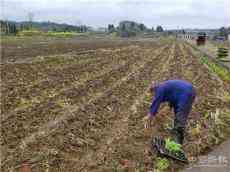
[
  {"x": 25, "y": 167},
  {"x": 205, "y": 125},
  {"x": 201, "y": 39}
]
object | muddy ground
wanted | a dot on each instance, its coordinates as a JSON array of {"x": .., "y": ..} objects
[{"x": 83, "y": 111}]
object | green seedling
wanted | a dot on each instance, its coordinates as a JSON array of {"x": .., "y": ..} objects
[
  {"x": 206, "y": 115},
  {"x": 162, "y": 164},
  {"x": 172, "y": 146},
  {"x": 146, "y": 82}
]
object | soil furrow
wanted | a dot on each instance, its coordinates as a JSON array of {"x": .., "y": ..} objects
[
  {"x": 138, "y": 152},
  {"x": 19, "y": 95},
  {"x": 119, "y": 129},
  {"x": 107, "y": 90},
  {"x": 94, "y": 99},
  {"x": 118, "y": 148},
  {"x": 110, "y": 109},
  {"x": 52, "y": 109},
  {"x": 94, "y": 122},
  {"x": 56, "y": 91}
]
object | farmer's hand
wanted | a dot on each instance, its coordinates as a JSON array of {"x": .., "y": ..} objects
[{"x": 148, "y": 120}]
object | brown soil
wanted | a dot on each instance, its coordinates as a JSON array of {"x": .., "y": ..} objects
[{"x": 84, "y": 112}]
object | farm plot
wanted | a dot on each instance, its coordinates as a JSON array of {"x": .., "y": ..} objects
[
  {"x": 21, "y": 49},
  {"x": 29, "y": 100},
  {"x": 84, "y": 113},
  {"x": 181, "y": 65}
]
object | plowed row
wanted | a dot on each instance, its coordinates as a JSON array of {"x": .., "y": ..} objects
[{"x": 52, "y": 88}]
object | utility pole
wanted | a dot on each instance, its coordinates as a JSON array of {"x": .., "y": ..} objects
[{"x": 30, "y": 18}]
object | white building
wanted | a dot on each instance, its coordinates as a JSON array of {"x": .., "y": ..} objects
[{"x": 187, "y": 36}]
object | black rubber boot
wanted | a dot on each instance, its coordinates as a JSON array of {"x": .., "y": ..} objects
[{"x": 179, "y": 135}]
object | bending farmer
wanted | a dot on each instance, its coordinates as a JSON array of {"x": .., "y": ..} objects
[{"x": 180, "y": 95}]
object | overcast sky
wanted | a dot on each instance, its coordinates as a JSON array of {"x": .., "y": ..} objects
[{"x": 168, "y": 13}]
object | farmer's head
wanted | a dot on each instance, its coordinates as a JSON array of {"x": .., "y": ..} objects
[{"x": 153, "y": 86}]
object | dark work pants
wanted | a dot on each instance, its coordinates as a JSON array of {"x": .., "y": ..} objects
[{"x": 182, "y": 111}]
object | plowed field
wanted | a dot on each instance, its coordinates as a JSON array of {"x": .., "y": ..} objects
[{"x": 83, "y": 111}]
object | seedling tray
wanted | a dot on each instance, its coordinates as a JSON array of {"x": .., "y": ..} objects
[{"x": 159, "y": 144}]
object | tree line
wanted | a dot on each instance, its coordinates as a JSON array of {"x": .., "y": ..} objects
[
  {"x": 132, "y": 26},
  {"x": 10, "y": 27}
]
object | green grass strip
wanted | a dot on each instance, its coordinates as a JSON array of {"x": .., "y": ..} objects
[{"x": 220, "y": 71}]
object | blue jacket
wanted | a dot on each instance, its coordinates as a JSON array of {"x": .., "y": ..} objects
[{"x": 177, "y": 93}]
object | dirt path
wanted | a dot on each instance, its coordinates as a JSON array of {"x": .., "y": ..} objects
[{"x": 216, "y": 161}]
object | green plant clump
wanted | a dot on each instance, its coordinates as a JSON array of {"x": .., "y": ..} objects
[
  {"x": 162, "y": 164},
  {"x": 172, "y": 146}
]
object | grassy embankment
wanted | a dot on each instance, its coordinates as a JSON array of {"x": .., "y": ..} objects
[{"x": 223, "y": 73}]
